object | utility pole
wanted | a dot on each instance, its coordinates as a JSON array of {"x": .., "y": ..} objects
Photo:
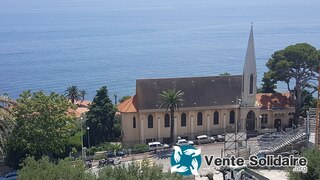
[{"x": 115, "y": 99}]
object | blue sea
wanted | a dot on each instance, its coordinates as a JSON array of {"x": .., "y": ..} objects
[{"x": 50, "y": 45}]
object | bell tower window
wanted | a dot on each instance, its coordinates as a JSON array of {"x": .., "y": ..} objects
[{"x": 251, "y": 84}]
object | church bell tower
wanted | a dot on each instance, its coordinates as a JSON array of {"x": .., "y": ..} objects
[{"x": 249, "y": 76}]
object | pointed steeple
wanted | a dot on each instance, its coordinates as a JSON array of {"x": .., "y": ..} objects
[
  {"x": 250, "y": 61},
  {"x": 249, "y": 85}
]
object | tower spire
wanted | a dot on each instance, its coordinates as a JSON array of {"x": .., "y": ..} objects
[
  {"x": 249, "y": 77},
  {"x": 250, "y": 61}
]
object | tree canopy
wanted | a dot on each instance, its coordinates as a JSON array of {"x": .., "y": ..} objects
[
  {"x": 43, "y": 126},
  {"x": 100, "y": 117},
  {"x": 73, "y": 94},
  {"x": 297, "y": 66},
  {"x": 269, "y": 84}
]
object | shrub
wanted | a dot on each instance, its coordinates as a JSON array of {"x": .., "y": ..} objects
[
  {"x": 105, "y": 147},
  {"x": 145, "y": 170},
  {"x": 75, "y": 141},
  {"x": 44, "y": 169},
  {"x": 75, "y": 170},
  {"x": 313, "y": 157},
  {"x": 140, "y": 148}
]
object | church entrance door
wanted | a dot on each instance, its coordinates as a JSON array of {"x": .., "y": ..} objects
[
  {"x": 250, "y": 121},
  {"x": 277, "y": 124}
]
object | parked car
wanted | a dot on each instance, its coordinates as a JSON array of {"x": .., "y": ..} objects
[
  {"x": 13, "y": 175},
  {"x": 157, "y": 146},
  {"x": 182, "y": 142},
  {"x": 219, "y": 138},
  {"x": 203, "y": 139}
]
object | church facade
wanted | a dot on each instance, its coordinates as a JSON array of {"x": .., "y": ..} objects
[{"x": 212, "y": 105}]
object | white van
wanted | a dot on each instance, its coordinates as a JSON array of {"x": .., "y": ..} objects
[
  {"x": 157, "y": 145},
  {"x": 202, "y": 139}
]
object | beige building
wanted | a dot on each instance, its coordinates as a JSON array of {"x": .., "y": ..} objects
[{"x": 212, "y": 105}]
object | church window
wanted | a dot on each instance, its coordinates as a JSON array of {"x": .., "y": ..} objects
[
  {"x": 251, "y": 84},
  {"x": 232, "y": 117},
  {"x": 216, "y": 117},
  {"x": 150, "y": 121},
  {"x": 166, "y": 120},
  {"x": 199, "y": 120},
  {"x": 134, "y": 122},
  {"x": 264, "y": 118},
  {"x": 183, "y": 120}
]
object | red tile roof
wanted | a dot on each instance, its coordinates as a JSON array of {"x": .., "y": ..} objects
[
  {"x": 82, "y": 108},
  {"x": 274, "y": 100},
  {"x": 129, "y": 105}
]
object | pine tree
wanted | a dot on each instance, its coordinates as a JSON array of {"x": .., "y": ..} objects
[{"x": 100, "y": 117}]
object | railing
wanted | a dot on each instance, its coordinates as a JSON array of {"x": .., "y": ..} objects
[{"x": 286, "y": 139}]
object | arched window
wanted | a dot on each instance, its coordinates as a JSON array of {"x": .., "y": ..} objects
[
  {"x": 199, "y": 119},
  {"x": 251, "y": 84},
  {"x": 167, "y": 120},
  {"x": 150, "y": 121},
  {"x": 216, "y": 117},
  {"x": 232, "y": 117},
  {"x": 183, "y": 120},
  {"x": 134, "y": 122},
  {"x": 264, "y": 118}
]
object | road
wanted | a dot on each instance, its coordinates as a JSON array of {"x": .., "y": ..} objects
[{"x": 163, "y": 158}]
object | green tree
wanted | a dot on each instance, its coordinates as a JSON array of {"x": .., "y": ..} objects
[
  {"x": 124, "y": 98},
  {"x": 42, "y": 126},
  {"x": 72, "y": 93},
  {"x": 117, "y": 127},
  {"x": 44, "y": 169},
  {"x": 144, "y": 170},
  {"x": 100, "y": 117},
  {"x": 297, "y": 66},
  {"x": 309, "y": 102},
  {"x": 6, "y": 125},
  {"x": 74, "y": 170},
  {"x": 171, "y": 99},
  {"x": 82, "y": 93},
  {"x": 269, "y": 84},
  {"x": 313, "y": 157},
  {"x": 6, "y": 120}
]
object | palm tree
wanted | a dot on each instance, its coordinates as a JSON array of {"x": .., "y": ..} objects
[
  {"x": 82, "y": 93},
  {"x": 72, "y": 93},
  {"x": 171, "y": 99}
]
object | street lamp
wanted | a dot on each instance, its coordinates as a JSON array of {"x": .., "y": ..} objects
[{"x": 88, "y": 128}]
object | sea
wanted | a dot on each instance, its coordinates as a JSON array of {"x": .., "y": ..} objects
[{"x": 52, "y": 44}]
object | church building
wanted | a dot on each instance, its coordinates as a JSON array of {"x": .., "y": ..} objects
[{"x": 212, "y": 105}]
